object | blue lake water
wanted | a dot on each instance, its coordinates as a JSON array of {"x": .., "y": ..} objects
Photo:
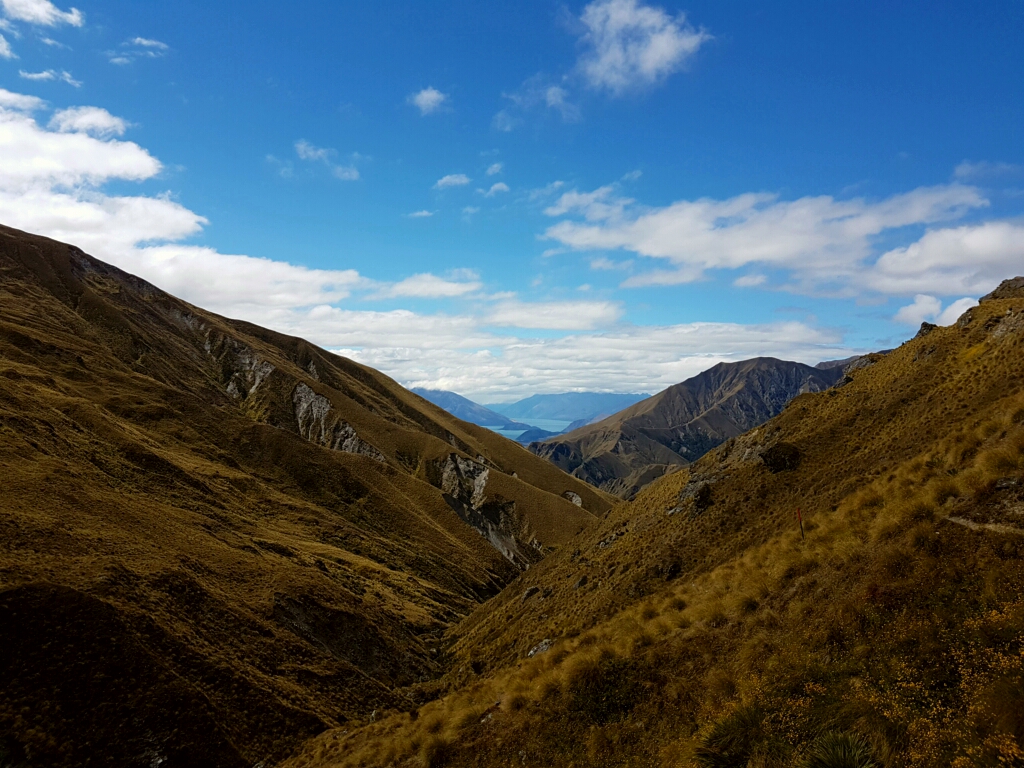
[{"x": 551, "y": 425}]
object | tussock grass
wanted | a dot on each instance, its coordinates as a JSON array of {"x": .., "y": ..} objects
[{"x": 891, "y": 635}]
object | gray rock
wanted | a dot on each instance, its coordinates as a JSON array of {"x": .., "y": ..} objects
[
  {"x": 530, "y": 592},
  {"x": 541, "y": 647}
]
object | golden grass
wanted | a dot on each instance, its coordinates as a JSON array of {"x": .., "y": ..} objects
[{"x": 892, "y": 628}]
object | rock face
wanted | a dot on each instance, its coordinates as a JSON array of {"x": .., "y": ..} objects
[
  {"x": 313, "y": 414},
  {"x": 625, "y": 452},
  {"x": 464, "y": 484},
  {"x": 1008, "y": 289}
]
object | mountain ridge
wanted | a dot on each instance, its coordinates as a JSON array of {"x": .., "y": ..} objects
[
  {"x": 629, "y": 449},
  {"x": 268, "y": 539}
]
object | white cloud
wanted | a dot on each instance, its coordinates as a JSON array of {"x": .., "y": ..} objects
[
  {"x": 923, "y": 308},
  {"x": 311, "y": 153},
  {"x": 19, "y": 102},
  {"x": 120, "y": 60},
  {"x": 6, "y": 52},
  {"x": 605, "y": 264},
  {"x": 632, "y": 45},
  {"x": 496, "y": 188},
  {"x": 451, "y": 353},
  {"x": 144, "y": 42},
  {"x": 749, "y": 281},
  {"x": 494, "y": 169},
  {"x": 41, "y": 12},
  {"x": 632, "y": 175},
  {"x": 53, "y": 43},
  {"x": 420, "y": 214},
  {"x": 428, "y": 286},
  {"x": 985, "y": 170},
  {"x": 929, "y": 308},
  {"x": 428, "y": 100},
  {"x": 824, "y": 243},
  {"x": 30, "y": 155},
  {"x": 969, "y": 259},
  {"x": 90, "y": 120},
  {"x": 50, "y": 74},
  {"x": 469, "y": 210},
  {"x": 555, "y": 315},
  {"x": 537, "y": 92},
  {"x": 452, "y": 180},
  {"x": 50, "y": 183}
]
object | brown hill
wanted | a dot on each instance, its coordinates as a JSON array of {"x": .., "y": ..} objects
[
  {"x": 216, "y": 540},
  {"x": 628, "y": 450},
  {"x": 705, "y": 623}
]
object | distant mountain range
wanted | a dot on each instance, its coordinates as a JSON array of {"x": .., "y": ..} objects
[
  {"x": 626, "y": 451},
  {"x": 465, "y": 409},
  {"x": 568, "y": 406},
  {"x": 578, "y": 408}
]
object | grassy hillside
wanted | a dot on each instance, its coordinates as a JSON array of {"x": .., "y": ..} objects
[
  {"x": 624, "y": 452},
  {"x": 698, "y": 626},
  {"x": 216, "y": 540}
]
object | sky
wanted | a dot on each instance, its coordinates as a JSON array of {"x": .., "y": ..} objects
[{"x": 507, "y": 199}]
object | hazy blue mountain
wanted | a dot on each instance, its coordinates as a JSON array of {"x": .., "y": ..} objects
[
  {"x": 568, "y": 406},
  {"x": 463, "y": 408}
]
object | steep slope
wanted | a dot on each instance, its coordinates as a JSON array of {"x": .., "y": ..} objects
[
  {"x": 216, "y": 540},
  {"x": 465, "y": 409},
  {"x": 706, "y": 623},
  {"x": 568, "y": 406},
  {"x": 626, "y": 451}
]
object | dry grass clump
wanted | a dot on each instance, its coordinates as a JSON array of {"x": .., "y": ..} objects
[{"x": 891, "y": 635}]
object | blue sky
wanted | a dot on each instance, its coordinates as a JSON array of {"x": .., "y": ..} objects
[{"x": 508, "y": 199}]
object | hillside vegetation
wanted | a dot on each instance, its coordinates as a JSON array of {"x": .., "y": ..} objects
[
  {"x": 216, "y": 540},
  {"x": 624, "y": 452},
  {"x": 699, "y": 626}
]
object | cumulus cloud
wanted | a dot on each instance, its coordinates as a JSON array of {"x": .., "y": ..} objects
[
  {"x": 968, "y": 259},
  {"x": 825, "y": 244},
  {"x": 51, "y": 182},
  {"x": 90, "y": 120},
  {"x": 311, "y": 153},
  {"x": 41, "y": 12},
  {"x": 452, "y": 180},
  {"x": 19, "y": 102},
  {"x": 929, "y": 308},
  {"x": 427, "y": 286},
  {"x": 494, "y": 169},
  {"x": 144, "y": 42},
  {"x": 631, "y": 45},
  {"x": 555, "y": 315},
  {"x": 496, "y": 188},
  {"x": 51, "y": 74},
  {"x": 486, "y": 367},
  {"x": 420, "y": 214},
  {"x": 6, "y": 52},
  {"x": 985, "y": 170},
  {"x": 428, "y": 100}
]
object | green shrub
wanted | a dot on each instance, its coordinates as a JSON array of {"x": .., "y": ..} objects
[
  {"x": 732, "y": 741},
  {"x": 840, "y": 750}
]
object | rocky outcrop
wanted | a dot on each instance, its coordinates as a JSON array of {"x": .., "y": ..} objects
[
  {"x": 464, "y": 485},
  {"x": 316, "y": 424},
  {"x": 1008, "y": 289}
]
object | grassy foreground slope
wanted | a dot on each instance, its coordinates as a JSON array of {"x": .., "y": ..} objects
[
  {"x": 216, "y": 540},
  {"x": 697, "y": 626}
]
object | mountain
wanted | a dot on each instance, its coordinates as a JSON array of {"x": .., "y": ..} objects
[
  {"x": 840, "y": 586},
  {"x": 217, "y": 540},
  {"x": 626, "y": 451},
  {"x": 465, "y": 409},
  {"x": 569, "y": 406}
]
